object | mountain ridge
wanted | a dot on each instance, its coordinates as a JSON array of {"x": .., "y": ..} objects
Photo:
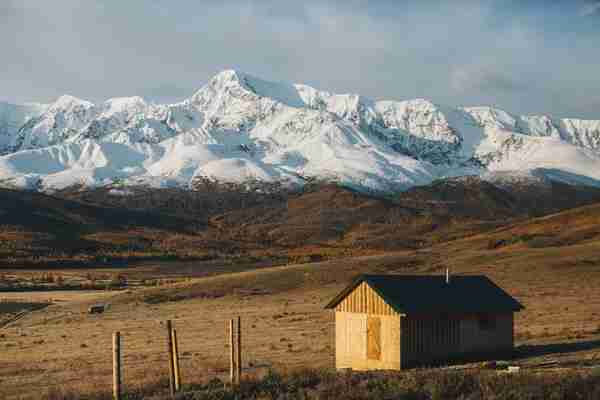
[{"x": 241, "y": 128}]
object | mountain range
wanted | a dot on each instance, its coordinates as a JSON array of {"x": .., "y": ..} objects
[{"x": 241, "y": 129}]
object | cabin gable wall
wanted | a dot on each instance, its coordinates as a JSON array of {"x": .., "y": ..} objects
[
  {"x": 367, "y": 332},
  {"x": 363, "y": 299}
]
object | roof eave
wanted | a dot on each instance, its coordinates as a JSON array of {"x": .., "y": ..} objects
[{"x": 341, "y": 295}]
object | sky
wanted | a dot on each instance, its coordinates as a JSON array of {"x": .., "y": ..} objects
[{"x": 526, "y": 57}]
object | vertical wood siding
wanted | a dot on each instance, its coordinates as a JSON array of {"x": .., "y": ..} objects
[
  {"x": 428, "y": 339},
  {"x": 364, "y": 300},
  {"x": 367, "y": 331},
  {"x": 373, "y": 338},
  {"x": 476, "y": 339},
  {"x": 435, "y": 339},
  {"x": 359, "y": 346}
]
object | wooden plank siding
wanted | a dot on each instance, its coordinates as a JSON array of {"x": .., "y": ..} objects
[
  {"x": 373, "y": 338},
  {"x": 493, "y": 339},
  {"x": 429, "y": 339},
  {"x": 365, "y": 300},
  {"x": 367, "y": 342},
  {"x": 367, "y": 331}
]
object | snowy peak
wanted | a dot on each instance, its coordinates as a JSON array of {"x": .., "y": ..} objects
[
  {"x": 538, "y": 125},
  {"x": 419, "y": 116},
  {"x": 68, "y": 103},
  {"x": 584, "y": 133},
  {"x": 239, "y": 127},
  {"x": 227, "y": 80},
  {"x": 60, "y": 121},
  {"x": 492, "y": 117},
  {"x": 238, "y": 85},
  {"x": 123, "y": 110},
  {"x": 12, "y": 118},
  {"x": 129, "y": 105}
]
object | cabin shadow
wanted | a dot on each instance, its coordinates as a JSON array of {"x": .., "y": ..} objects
[
  {"x": 519, "y": 352},
  {"x": 537, "y": 350}
]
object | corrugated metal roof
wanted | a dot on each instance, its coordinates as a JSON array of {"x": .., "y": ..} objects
[{"x": 431, "y": 294}]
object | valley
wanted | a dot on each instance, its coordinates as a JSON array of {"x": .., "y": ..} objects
[{"x": 279, "y": 283}]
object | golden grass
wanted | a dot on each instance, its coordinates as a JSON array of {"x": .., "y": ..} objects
[{"x": 285, "y": 326}]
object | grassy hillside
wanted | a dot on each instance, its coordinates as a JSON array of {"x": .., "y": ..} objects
[
  {"x": 285, "y": 326},
  {"x": 38, "y": 228},
  {"x": 473, "y": 197},
  {"x": 268, "y": 225}
]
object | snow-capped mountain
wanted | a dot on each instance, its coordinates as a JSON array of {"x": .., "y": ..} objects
[
  {"x": 239, "y": 128},
  {"x": 12, "y": 117}
]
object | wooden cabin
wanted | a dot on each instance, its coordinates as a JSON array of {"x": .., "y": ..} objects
[{"x": 403, "y": 321}]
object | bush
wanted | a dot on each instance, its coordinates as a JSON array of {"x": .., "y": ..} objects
[{"x": 412, "y": 385}]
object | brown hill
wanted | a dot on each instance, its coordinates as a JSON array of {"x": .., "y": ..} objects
[
  {"x": 476, "y": 198},
  {"x": 213, "y": 221},
  {"x": 40, "y": 227}
]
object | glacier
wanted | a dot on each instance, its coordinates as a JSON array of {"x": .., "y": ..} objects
[{"x": 239, "y": 128}]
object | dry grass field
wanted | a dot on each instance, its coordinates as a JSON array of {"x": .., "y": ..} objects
[
  {"x": 551, "y": 264},
  {"x": 285, "y": 326}
]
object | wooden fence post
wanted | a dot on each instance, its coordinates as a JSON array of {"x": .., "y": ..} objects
[
  {"x": 170, "y": 352},
  {"x": 239, "y": 350},
  {"x": 231, "y": 354},
  {"x": 117, "y": 366},
  {"x": 176, "y": 362}
]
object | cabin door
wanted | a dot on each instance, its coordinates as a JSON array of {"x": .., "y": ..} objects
[{"x": 373, "y": 338}]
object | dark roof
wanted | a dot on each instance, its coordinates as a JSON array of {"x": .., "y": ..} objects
[{"x": 431, "y": 294}]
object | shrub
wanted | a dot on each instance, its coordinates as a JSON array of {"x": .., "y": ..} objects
[{"x": 412, "y": 385}]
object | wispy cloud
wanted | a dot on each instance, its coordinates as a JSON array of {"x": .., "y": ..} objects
[
  {"x": 589, "y": 9},
  {"x": 501, "y": 52},
  {"x": 486, "y": 78}
]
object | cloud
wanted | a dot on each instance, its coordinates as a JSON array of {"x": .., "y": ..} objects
[
  {"x": 589, "y": 9},
  {"x": 459, "y": 52},
  {"x": 485, "y": 78},
  {"x": 165, "y": 92},
  {"x": 7, "y": 10}
]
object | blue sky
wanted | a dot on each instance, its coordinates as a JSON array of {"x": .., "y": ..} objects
[{"x": 523, "y": 56}]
